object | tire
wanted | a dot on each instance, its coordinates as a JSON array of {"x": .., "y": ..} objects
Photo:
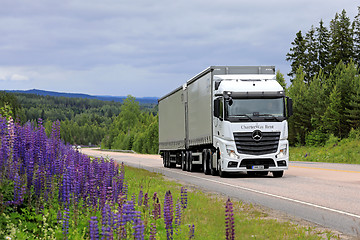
[
  {"x": 166, "y": 163},
  {"x": 222, "y": 174},
  {"x": 207, "y": 161},
  {"x": 278, "y": 174},
  {"x": 191, "y": 165},
  {"x": 213, "y": 171},
  {"x": 187, "y": 161},
  {"x": 183, "y": 161},
  {"x": 164, "y": 159}
]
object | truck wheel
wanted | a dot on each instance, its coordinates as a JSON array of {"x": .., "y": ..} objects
[
  {"x": 168, "y": 159},
  {"x": 187, "y": 160},
  {"x": 222, "y": 174},
  {"x": 183, "y": 161},
  {"x": 207, "y": 161},
  {"x": 278, "y": 174},
  {"x": 165, "y": 159}
]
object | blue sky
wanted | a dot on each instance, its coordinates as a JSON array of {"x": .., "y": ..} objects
[{"x": 145, "y": 48}]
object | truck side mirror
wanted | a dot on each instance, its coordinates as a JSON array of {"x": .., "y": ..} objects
[{"x": 289, "y": 107}]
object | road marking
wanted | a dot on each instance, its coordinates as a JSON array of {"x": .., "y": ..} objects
[
  {"x": 326, "y": 169},
  {"x": 274, "y": 195}
]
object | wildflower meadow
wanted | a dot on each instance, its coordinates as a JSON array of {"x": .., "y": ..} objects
[{"x": 50, "y": 191}]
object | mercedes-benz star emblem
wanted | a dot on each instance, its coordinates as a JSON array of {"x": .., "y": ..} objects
[{"x": 257, "y": 135}]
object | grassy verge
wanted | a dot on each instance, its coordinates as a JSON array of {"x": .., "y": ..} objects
[
  {"x": 207, "y": 212},
  {"x": 344, "y": 151}
]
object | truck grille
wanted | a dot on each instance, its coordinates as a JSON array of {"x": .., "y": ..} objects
[{"x": 245, "y": 144}]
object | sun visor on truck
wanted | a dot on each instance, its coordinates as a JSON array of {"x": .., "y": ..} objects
[{"x": 255, "y": 94}]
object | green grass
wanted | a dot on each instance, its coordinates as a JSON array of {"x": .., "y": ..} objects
[
  {"x": 344, "y": 151},
  {"x": 207, "y": 212}
]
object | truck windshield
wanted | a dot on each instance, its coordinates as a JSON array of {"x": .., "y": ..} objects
[{"x": 255, "y": 109}]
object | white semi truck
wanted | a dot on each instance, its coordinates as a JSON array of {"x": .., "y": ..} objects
[{"x": 227, "y": 119}]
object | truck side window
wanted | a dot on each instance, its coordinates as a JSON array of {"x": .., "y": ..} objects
[
  {"x": 218, "y": 108},
  {"x": 221, "y": 104}
]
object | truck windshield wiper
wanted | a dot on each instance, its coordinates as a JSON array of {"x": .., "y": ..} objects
[
  {"x": 269, "y": 115},
  {"x": 244, "y": 115}
]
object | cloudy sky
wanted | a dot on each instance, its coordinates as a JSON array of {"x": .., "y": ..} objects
[{"x": 146, "y": 48}]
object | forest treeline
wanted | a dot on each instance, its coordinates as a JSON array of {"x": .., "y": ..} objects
[
  {"x": 87, "y": 121},
  {"x": 325, "y": 83}
]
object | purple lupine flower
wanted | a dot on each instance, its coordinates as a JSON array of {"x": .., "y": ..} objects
[
  {"x": 156, "y": 207},
  {"x": 140, "y": 197},
  {"x": 229, "y": 221},
  {"x": 19, "y": 190},
  {"x": 109, "y": 195},
  {"x": 184, "y": 197},
  {"x": 94, "y": 228},
  {"x": 106, "y": 232},
  {"x": 178, "y": 209},
  {"x": 107, "y": 217},
  {"x": 168, "y": 214},
  {"x": 139, "y": 228},
  {"x": 152, "y": 232},
  {"x": 128, "y": 211},
  {"x": 65, "y": 226},
  {"x": 146, "y": 201},
  {"x": 191, "y": 231}
]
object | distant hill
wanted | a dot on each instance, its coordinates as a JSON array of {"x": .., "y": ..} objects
[{"x": 144, "y": 100}]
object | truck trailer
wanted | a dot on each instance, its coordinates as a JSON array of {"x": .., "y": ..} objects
[{"x": 227, "y": 119}]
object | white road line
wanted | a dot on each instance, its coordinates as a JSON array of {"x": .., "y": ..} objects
[{"x": 273, "y": 195}]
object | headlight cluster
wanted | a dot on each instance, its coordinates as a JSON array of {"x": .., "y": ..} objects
[
  {"x": 231, "y": 152},
  {"x": 283, "y": 151}
]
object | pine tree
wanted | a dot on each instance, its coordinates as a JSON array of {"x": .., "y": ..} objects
[
  {"x": 332, "y": 115},
  {"x": 280, "y": 79},
  {"x": 341, "y": 34},
  {"x": 297, "y": 54},
  {"x": 311, "y": 66},
  {"x": 353, "y": 111},
  {"x": 322, "y": 36},
  {"x": 300, "y": 122},
  {"x": 356, "y": 30}
]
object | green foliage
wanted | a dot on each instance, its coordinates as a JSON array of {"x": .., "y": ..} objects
[
  {"x": 329, "y": 104},
  {"x": 335, "y": 150},
  {"x": 10, "y": 106},
  {"x": 133, "y": 129},
  {"x": 316, "y": 138},
  {"x": 280, "y": 79}
]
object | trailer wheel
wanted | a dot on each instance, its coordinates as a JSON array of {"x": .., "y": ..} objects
[
  {"x": 183, "y": 161},
  {"x": 187, "y": 160},
  {"x": 166, "y": 159},
  {"x": 206, "y": 161},
  {"x": 190, "y": 165}
]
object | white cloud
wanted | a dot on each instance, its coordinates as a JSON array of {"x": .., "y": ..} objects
[
  {"x": 145, "y": 48},
  {"x": 18, "y": 77}
]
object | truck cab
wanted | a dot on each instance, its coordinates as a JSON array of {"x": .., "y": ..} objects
[{"x": 250, "y": 124}]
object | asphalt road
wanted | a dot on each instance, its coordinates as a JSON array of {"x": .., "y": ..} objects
[{"x": 323, "y": 193}]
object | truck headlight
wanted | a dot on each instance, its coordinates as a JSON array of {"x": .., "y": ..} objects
[
  {"x": 283, "y": 151},
  {"x": 231, "y": 152}
]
